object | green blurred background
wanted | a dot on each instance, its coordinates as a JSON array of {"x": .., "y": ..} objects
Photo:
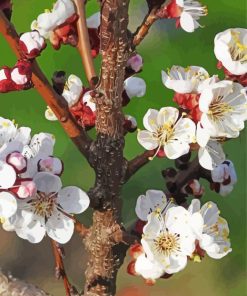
[{"x": 164, "y": 47}]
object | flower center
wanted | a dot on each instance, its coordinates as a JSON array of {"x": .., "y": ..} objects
[
  {"x": 238, "y": 51},
  {"x": 218, "y": 109},
  {"x": 44, "y": 204},
  {"x": 167, "y": 243},
  {"x": 164, "y": 132}
]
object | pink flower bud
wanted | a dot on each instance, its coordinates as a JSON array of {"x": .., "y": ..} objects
[
  {"x": 17, "y": 161},
  {"x": 51, "y": 165},
  {"x": 27, "y": 189},
  {"x": 31, "y": 44},
  {"x": 135, "y": 63}
]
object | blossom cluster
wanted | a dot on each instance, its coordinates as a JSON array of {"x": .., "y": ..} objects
[
  {"x": 172, "y": 235},
  {"x": 210, "y": 110},
  {"x": 82, "y": 104},
  {"x": 32, "y": 200}
]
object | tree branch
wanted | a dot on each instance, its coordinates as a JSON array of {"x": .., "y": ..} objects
[
  {"x": 57, "y": 103},
  {"x": 147, "y": 23},
  {"x": 137, "y": 163},
  {"x": 60, "y": 270},
  {"x": 11, "y": 286},
  {"x": 84, "y": 45}
]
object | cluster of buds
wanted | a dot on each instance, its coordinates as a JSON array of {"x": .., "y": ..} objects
[
  {"x": 16, "y": 78},
  {"x": 79, "y": 99},
  {"x": 59, "y": 25}
]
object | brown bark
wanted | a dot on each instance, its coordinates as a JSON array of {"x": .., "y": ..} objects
[{"x": 106, "y": 251}]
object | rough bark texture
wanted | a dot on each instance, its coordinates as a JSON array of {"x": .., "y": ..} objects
[
  {"x": 10, "y": 286},
  {"x": 106, "y": 253}
]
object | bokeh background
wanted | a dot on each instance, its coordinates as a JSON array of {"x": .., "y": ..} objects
[{"x": 165, "y": 46}]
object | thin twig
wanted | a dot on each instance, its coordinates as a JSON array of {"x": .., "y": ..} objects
[
  {"x": 59, "y": 267},
  {"x": 84, "y": 45},
  {"x": 57, "y": 103},
  {"x": 147, "y": 23},
  {"x": 138, "y": 162}
]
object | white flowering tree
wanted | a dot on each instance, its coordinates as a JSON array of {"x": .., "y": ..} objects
[{"x": 169, "y": 230}]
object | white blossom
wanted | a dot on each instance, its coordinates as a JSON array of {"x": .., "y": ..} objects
[
  {"x": 153, "y": 201},
  {"x": 224, "y": 109},
  {"x": 226, "y": 176},
  {"x": 185, "y": 80},
  {"x": 211, "y": 230},
  {"x": 49, "y": 20},
  {"x": 32, "y": 40},
  {"x": 230, "y": 48},
  {"x": 165, "y": 130},
  {"x": 8, "y": 205},
  {"x": 148, "y": 269},
  {"x": 49, "y": 211},
  {"x": 191, "y": 13},
  {"x": 170, "y": 240}
]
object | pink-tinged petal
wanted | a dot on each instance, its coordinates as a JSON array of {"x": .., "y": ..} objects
[
  {"x": 73, "y": 200},
  {"x": 18, "y": 161},
  {"x": 51, "y": 165}
]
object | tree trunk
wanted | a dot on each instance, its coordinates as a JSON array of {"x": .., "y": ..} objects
[{"x": 106, "y": 251}]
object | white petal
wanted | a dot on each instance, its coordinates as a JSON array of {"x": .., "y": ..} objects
[
  {"x": 18, "y": 78},
  {"x": 49, "y": 115},
  {"x": 94, "y": 21},
  {"x": 7, "y": 175},
  {"x": 60, "y": 227},
  {"x": 135, "y": 87},
  {"x": 175, "y": 149},
  {"x": 47, "y": 183},
  {"x": 211, "y": 156},
  {"x": 210, "y": 213},
  {"x": 167, "y": 115},
  {"x": 154, "y": 226},
  {"x": 148, "y": 269},
  {"x": 88, "y": 100},
  {"x": 202, "y": 135},
  {"x": 73, "y": 200},
  {"x": 8, "y": 205},
  {"x": 147, "y": 140},
  {"x": 195, "y": 206},
  {"x": 177, "y": 263},
  {"x": 150, "y": 120},
  {"x": 188, "y": 23},
  {"x": 34, "y": 232}
]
